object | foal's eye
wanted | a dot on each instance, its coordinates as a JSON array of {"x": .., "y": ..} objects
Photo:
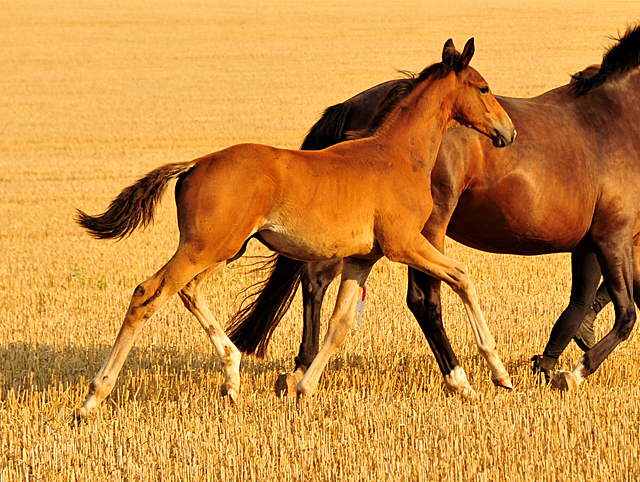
[{"x": 484, "y": 90}]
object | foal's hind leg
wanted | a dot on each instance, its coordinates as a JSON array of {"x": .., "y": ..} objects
[
  {"x": 146, "y": 299},
  {"x": 316, "y": 279},
  {"x": 227, "y": 351},
  {"x": 354, "y": 275},
  {"x": 423, "y": 256}
]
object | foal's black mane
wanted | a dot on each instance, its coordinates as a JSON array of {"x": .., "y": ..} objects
[
  {"x": 620, "y": 58},
  {"x": 401, "y": 91}
]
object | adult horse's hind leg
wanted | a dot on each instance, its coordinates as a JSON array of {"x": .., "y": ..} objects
[
  {"x": 146, "y": 299},
  {"x": 227, "y": 351},
  {"x": 354, "y": 275},
  {"x": 423, "y": 256},
  {"x": 316, "y": 279},
  {"x": 621, "y": 270}
]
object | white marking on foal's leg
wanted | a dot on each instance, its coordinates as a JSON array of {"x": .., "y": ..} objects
[{"x": 484, "y": 339}]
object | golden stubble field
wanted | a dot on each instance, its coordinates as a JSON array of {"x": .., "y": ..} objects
[{"x": 94, "y": 94}]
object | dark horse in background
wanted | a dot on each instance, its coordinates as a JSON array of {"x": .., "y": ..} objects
[{"x": 570, "y": 184}]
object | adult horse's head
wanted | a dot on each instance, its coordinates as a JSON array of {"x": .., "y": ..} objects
[{"x": 475, "y": 106}]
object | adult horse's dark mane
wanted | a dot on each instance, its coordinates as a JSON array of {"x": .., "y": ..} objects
[{"x": 620, "y": 58}]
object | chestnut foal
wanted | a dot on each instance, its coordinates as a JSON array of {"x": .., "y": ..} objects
[{"x": 359, "y": 200}]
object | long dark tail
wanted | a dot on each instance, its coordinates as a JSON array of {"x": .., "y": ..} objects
[
  {"x": 251, "y": 327},
  {"x": 134, "y": 206}
]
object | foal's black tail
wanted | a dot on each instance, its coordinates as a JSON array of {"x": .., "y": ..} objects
[
  {"x": 134, "y": 206},
  {"x": 251, "y": 327}
]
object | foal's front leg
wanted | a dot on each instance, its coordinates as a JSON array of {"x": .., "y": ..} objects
[
  {"x": 354, "y": 275},
  {"x": 423, "y": 256}
]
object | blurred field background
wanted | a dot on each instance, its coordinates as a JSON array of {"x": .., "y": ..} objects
[{"x": 95, "y": 94}]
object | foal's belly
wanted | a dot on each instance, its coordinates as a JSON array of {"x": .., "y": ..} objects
[{"x": 316, "y": 243}]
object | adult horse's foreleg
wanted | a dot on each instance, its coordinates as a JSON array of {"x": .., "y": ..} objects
[
  {"x": 316, "y": 278},
  {"x": 621, "y": 270},
  {"x": 227, "y": 352},
  {"x": 585, "y": 276},
  {"x": 354, "y": 275},
  {"x": 426, "y": 258},
  {"x": 423, "y": 299},
  {"x": 146, "y": 299}
]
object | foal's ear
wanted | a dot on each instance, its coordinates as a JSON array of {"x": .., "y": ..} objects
[
  {"x": 467, "y": 53},
  {"x": 449, "y": 52}
]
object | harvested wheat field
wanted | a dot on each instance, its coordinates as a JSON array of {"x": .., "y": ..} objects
[{"x": 95, "y": 94}]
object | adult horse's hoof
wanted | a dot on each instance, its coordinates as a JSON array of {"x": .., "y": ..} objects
[
  {"x": 564, "y": 381},
  {"x": 503, "y": 382},
  {"x": 286, "y": 384},
  {"x": 229, "y": 391}
]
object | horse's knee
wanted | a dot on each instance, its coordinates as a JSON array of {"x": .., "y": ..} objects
[{"x": 462, "y": 284}]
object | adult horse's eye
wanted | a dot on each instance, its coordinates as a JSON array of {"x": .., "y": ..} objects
[{"x": 484, "y": 90}]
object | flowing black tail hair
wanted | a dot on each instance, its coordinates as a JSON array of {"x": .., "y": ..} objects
[{"x": 250, "y": 329}]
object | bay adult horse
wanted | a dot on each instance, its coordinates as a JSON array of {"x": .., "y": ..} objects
[
  {"x": 570, "y": 184},
  {"x": 359, "y": 200}
]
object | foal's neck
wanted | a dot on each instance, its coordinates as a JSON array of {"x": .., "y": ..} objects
[{"x": 420, "y": 121}]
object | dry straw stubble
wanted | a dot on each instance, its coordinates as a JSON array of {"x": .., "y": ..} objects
[{"x": 94, "y": 95}]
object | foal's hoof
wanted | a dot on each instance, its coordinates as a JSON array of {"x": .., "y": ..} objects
[
  {"x": 565, "y": 382},
  {"x": 504, "y": 382},
  {"x": 229, "y": 391},
  {"x": 286, "y": 384}
]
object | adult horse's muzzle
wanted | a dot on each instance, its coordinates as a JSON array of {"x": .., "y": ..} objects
[{"x": 502, "y": 137}]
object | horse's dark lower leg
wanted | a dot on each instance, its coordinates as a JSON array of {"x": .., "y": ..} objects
[
  {"x": 316, "y": 278},
  {"x": 423, "y": 299},
  {"x": 585, "y": 337},
  {"x": 621, "y": 274},
  {"x": 585, "y": 276}
]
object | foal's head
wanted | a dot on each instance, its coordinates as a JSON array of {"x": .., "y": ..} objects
[{"x": 475, "y": 106}]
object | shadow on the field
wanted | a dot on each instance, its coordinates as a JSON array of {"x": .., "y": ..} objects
[{"x": 27, "y": 367}]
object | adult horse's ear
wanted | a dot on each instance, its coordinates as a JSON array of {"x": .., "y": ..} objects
[
  {"x": 449, "y": 52},
  {"x": 467, "y": 53}
]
